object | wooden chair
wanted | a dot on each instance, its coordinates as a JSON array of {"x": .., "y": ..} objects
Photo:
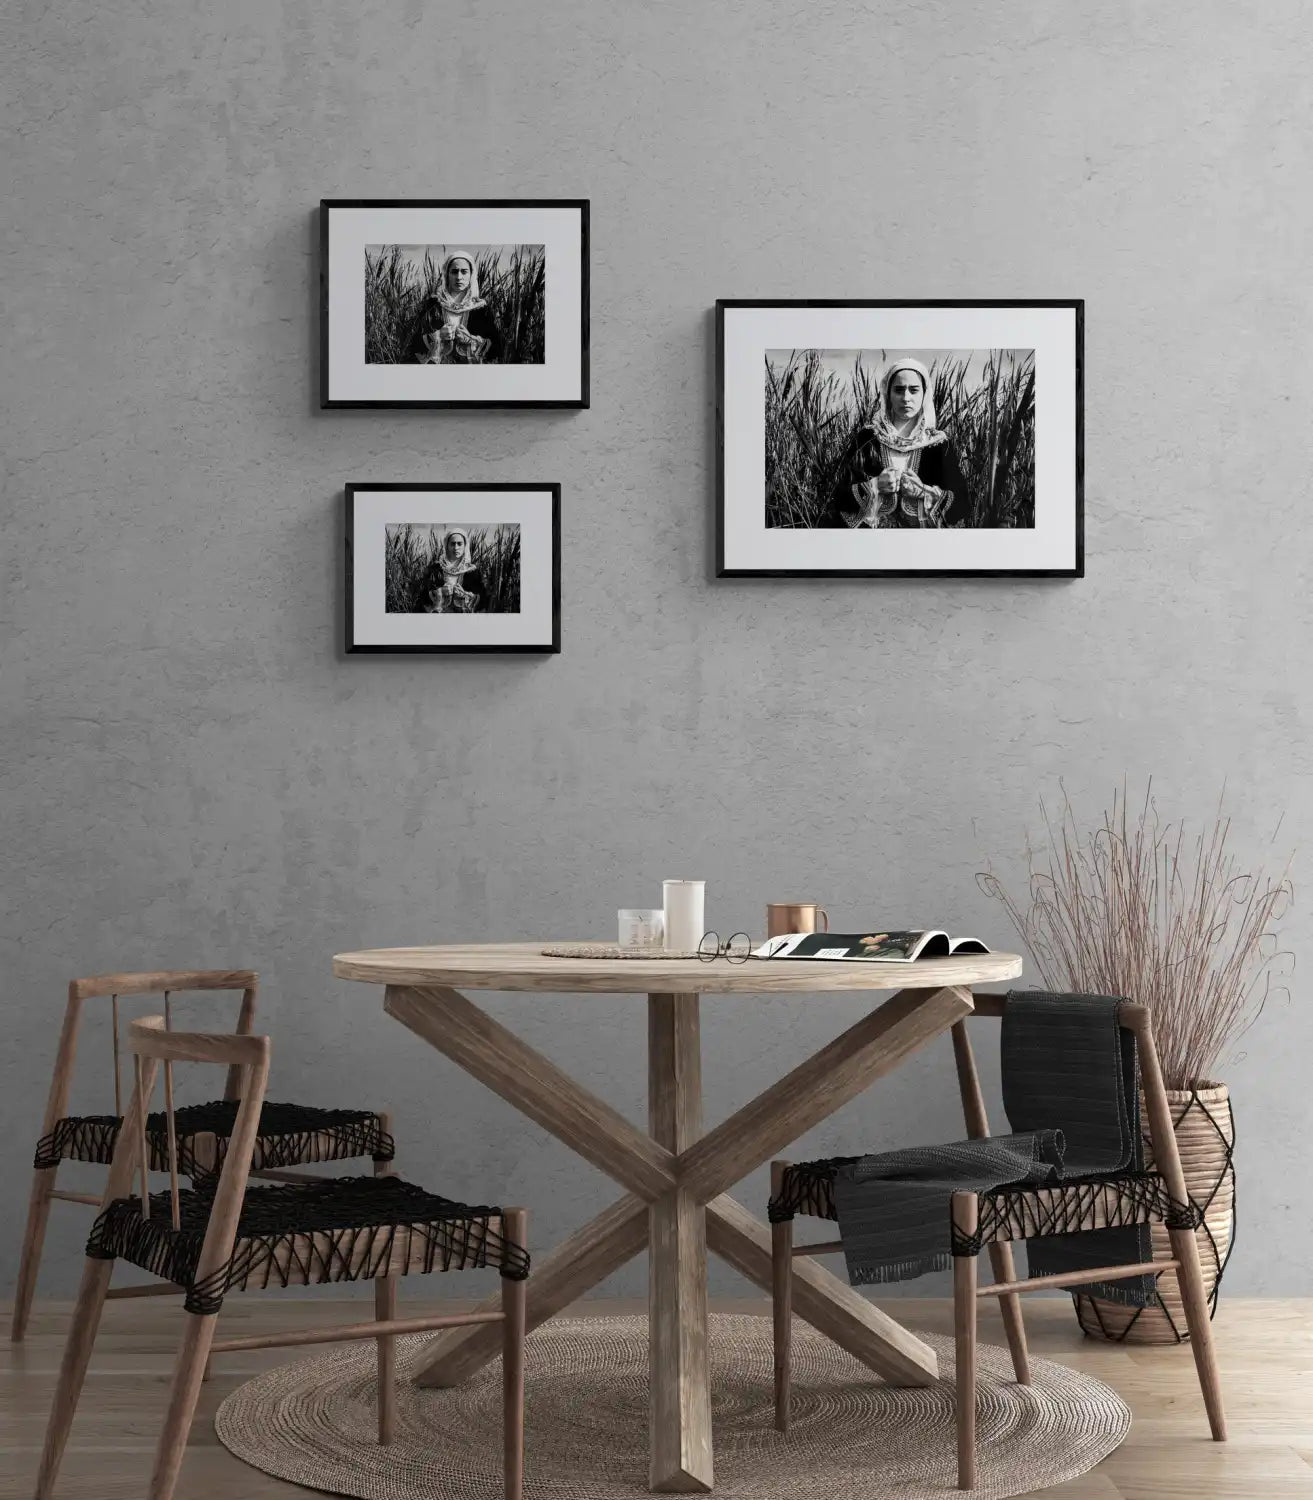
[
  {"x": 221, "y": 1236},
  {"x": 997, "y": 1218},
  {"x": 290, "y": 1135}
]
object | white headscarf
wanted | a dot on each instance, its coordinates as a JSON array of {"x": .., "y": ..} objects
[
  {"x": 469, "y": 299},
  {"x": 924, "y": 433},
  {"x": 460, "y": 565}
]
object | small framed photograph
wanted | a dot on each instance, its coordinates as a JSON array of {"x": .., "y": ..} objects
[
  {"x": 453, "y": 567},
  {"x": 453, "y": 302},
  {"x": 900, "y": 439}
]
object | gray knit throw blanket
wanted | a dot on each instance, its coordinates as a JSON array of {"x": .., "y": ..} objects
[
  {"x": 1071, "y": 1091},
  {"x": 894, "y": 1209},
  {"x": 1069, "y": 1063}
]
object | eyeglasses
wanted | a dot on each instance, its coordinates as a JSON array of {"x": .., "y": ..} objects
[{"x": 737, "y": 949}]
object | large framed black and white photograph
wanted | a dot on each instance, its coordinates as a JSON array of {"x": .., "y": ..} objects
[
  {"x": 883, "y": 438},
  {"x": 453, "y": 567},
  {"x": 453, "y": 303}
]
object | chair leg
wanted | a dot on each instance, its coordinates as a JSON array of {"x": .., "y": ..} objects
[
  {"x": 73, "y": 1369},
  {"x": 184, "y": 1392},
  {"x": 514, "y": 1300},
  {"x": 385, "y": 1309},
  {"x": 1005, "y": 1269},
  {"x": 1162, "y": 1137},
  {"x": 1190, "y": 1278},
  {"x": 781, "y": 1299},
  {"x": 384, "y": 1168},
  {"x": 34, "y": 1236},
  {"x": 965, "y": 1210}
]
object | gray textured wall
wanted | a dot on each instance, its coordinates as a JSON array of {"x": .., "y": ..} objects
[{"x": 193, "y": 774}]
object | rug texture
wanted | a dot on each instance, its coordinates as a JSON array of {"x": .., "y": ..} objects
[{"x": 852, "y": 1438}]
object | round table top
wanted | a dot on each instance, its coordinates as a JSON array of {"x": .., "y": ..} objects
[{"x": 524, "y": 966}]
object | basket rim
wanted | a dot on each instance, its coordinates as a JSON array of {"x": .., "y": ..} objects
[{"x": 1206, "y": 1088}]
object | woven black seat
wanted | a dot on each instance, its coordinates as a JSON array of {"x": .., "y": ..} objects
[
  {"x": 1018, "y": 1212},
  {"x": 307, "y": 1234},
  {"x": 291, "y": 1135}
]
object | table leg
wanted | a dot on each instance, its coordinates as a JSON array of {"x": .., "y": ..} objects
[
  {"x": 667, "y": 1183},
  {"x": 830, "y": 1305},
  {"x": 522, "y": 1076},
  {"x": 680, "y": 1399},
  {"x": 577, "y": 1264},
  {"x": 823, "y": 1083}
]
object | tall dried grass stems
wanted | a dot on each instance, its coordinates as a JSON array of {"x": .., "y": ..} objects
[
  {"x": 812, "y": 413},
  {"x": 1138, "y": 907}
]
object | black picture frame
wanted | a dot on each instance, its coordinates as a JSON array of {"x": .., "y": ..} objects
[
  {"x": 1077, "y": 570},
  {"x": 329, "y": 403},
  {"x": 359, "y": 648}
]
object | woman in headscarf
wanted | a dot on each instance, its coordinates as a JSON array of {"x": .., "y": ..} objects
[
  {"x": 454, "y": 585},
  {"x": 454, "y": 326},
  {"x": 899, "y": 469}
]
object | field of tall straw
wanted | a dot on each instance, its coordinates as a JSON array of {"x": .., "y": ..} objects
[
  {"x": 411, "y": 572},
  {"x": 515, "y": 288},
  {"x": 812, "y": 412}
]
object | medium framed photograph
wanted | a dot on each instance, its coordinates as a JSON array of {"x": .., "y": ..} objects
[
  {"x": 900, "y": 439},
  {"x": 453, "y": 302},
  {"x": 453, "y": 567}
]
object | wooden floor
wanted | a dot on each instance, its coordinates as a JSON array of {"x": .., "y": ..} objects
[{"x": 1266, "y": 1351}]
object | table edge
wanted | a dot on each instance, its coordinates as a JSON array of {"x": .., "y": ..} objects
[{"x": 644, "y": 977}]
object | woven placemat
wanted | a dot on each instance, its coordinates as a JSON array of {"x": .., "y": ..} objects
[
  {"x": 852, "y": 1437},
  {"x": 613, "y": 950}
]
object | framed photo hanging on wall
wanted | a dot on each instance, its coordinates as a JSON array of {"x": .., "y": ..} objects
[
  {"x": 453, "y": 567},
  {"x": 900, "y": 439},
  {"x": 453, "y": 302}
]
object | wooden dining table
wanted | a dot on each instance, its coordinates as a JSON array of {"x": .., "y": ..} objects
[{"x": 675, "y": 1176}]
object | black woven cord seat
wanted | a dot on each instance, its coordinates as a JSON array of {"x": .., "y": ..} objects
[
  {"x": 807, "y": 1187},
  {"x": 307, "y": 1234},
  {"x": 291, "y": 1135},
  {"x": 1009, "y": 1213}
]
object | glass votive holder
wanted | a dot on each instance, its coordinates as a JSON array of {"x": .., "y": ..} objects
[{"x": 641, "y": 929}]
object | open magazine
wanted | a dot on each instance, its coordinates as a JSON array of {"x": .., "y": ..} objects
[{"x": 871, "y": 947}]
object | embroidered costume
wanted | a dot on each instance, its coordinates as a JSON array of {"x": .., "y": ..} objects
[
  {"x": 931, "y": 490},
  {"x": 455, "y": 328},
  {"x": 454, "y": 585}
]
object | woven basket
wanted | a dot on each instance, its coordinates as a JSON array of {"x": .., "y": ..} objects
[{"x": 1205, "y": 1136}]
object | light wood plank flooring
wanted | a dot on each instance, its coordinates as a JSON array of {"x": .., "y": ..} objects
[{"x": 1266, "y": 1350}]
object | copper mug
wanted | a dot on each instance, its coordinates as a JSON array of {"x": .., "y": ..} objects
[{"x": 797, "y": 916}]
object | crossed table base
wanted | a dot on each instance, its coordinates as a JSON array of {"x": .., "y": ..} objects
[{"x": 676, "y": 1177}]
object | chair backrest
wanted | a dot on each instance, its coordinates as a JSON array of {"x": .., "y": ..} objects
[
  {"x": 153, "y": 1042},
  {"x": 1133, "y": 1017},
  {"x": 165, "y": 982}
]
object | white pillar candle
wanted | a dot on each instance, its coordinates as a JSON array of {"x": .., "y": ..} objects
[{"x": 685, "y": 908}]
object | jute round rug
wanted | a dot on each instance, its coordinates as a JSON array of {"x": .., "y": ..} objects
[{"x": 853, "y": 1438}]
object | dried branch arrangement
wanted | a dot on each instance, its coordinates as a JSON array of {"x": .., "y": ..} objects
[{"x": 1138, "y": 907}]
